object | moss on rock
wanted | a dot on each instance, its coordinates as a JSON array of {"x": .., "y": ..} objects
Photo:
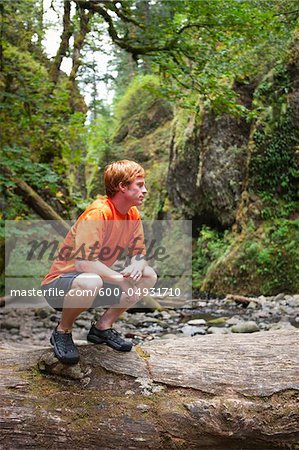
[{"x": 262, "y": 260}]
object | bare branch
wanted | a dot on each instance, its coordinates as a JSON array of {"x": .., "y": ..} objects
[
  {"x": 121, "y": 15},
  {"x": 194, "y": 25}
]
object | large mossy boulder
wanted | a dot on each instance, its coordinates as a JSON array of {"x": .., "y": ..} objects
[{"x": 208, "y": 156}]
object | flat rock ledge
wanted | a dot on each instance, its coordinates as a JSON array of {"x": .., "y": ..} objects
[{"x": 202, "y": 392}]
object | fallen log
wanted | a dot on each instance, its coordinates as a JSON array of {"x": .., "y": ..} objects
[
  {"x": 240, "y": 299},
  {"x": 205, "y": 392}
]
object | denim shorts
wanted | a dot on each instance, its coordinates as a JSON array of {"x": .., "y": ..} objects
[{"x": 55, "y": 291}]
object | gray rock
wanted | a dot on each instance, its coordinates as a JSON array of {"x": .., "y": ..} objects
[
  {"x": 9, "y": 325},
  {"x": 14, "y": 331},
  {"x": 201, "y": 304},
  {"x": 83, "y": 323},
  {"x": 197, "y": 322},
  {"x": 191, "y": 330},
  {"x": 48, "y": 363},
  {"x": 42, "y": 313},
  {"x": 158, "y": 322},
  {"x": 283, "y": 324},
  {"x": 218, "y": 330},
  {"x": 133, "y": 321},
  {"x": 252, "y": 305},
  {"x": 293, "y": 301},
  {"x": 174, "y": 314},
  {"x": 224, "y": 142},
  {"x": 14, "y": 338},
  {"x": 79, "y": 335},
  {"x": 154, "y": 328},
  {"x": 143, "y": 408},
  {"x": 262, "y": 314},
  {"x": 25, "y": 333},
  {"x": 233, "y": 320},
  {"x": 41, "y": 336},
  {"x": 245, "y": 327},
  {"x": 165, "y": 315},
  {"x": 264, "y": 326},
  {"x": 286, "y": 310},
  {"x": 129, "y": 392},
  {"x": 279, "y": 297}
]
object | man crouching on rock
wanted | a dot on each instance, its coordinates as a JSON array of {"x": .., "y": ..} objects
[{"x": 81, "y": 272}]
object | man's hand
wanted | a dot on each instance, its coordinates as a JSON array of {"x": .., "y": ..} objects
[{"x": 134, "y": 271}]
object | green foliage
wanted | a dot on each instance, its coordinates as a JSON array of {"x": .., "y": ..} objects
[
  {"x": 24, "y": 83},
  {"x": 221, "y": 41},
  {"x": 13, "y": 209},
  {"x": 274, "y": 164},
  {"x": 263, "y": 261},
  {"x": 39, "y": 130},
  {"x": 278, "y": 259},
  {"x": 140, "y": 94},
  {"x": 209, "y": 247},
  {"x": 38, "y": 175}
]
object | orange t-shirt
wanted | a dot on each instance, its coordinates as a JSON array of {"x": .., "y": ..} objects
[{"x": 101, "y": 233}]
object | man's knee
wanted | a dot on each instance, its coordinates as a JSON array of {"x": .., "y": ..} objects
[
  {"x": 150, "y": 275},
  {"x": 88, "y": 282}
]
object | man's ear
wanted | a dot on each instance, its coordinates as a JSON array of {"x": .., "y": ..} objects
[{"x": 121, "y": 187}]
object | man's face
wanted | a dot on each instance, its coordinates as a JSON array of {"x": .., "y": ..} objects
[{"x": 134, "y": 193}]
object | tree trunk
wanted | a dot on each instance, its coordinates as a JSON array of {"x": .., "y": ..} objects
[
  {"x": 205, "y": 392},
  {"x": 64, "y": 43}
]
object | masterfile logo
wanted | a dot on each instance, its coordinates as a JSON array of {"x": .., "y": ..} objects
[{"x": 34, "y": 246}]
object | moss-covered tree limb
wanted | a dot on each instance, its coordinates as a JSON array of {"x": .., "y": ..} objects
[
  {"x": 205, "y": 392},
  {"x": 37, "y": 203}
]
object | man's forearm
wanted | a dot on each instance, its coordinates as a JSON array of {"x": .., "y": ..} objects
[{"x": 107, "y": 274}]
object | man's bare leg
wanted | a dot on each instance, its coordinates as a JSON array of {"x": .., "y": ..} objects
[
  {"x": 73, "y": 304},
  {"x": 148, "y": 281}
]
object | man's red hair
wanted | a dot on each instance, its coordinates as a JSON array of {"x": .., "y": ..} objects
[{"x": 124, "y": 171}]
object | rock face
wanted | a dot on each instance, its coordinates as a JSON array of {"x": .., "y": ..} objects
[{"x": 207, "y": 165}]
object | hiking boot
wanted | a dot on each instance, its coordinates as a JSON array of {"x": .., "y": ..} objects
[
  {"x": 110, "y": 337},
  {"x": 64, "y": 347}
]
